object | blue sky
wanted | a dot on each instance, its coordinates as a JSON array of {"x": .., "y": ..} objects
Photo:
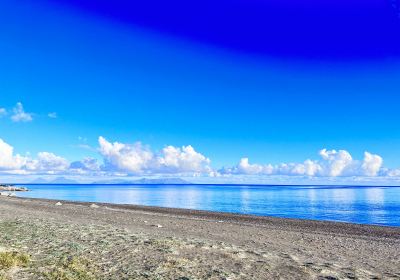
[{"x": 274, "y": 83}]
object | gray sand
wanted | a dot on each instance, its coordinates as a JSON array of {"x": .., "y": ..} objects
[{"x": 269, "y": 247}]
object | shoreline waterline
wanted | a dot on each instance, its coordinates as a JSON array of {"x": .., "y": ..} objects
[{"x": 361, "y": 205}]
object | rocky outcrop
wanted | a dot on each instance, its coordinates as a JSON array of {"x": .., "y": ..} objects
[{"x": 12, "y": 188}]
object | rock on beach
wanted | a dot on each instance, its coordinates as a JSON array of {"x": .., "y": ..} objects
[
  {"x": 12, "y": 188},
  {"x": 8, "y": 194}
]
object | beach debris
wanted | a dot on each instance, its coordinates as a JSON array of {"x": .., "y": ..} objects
[
  {"x": 4, "y": 194},
  {"x": 94, "y": 206},
  {"x": 13, "y": 194},
  {"x": 157, "y": 225},
  {"x": 58, "y": 203}
]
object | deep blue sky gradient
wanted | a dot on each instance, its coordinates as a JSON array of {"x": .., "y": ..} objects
[
  {"x": 331, "y": 30},
  {"x": 270, "y": 82}
]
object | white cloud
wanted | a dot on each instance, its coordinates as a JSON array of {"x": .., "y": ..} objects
[
  {"x": 338, "y": 163},
  {"x": 126, "y": 159},
  {"x": 129, "y": 158},
  {"x": 389, "y": 172},
  {"x": 27, "y": 153},
  {"x": 225, "y": 170},
  {"x": 91, "y": 164},
  {"x": 371, "y": 165},
  {"x": 214, "y": 174},
  {"x": 187, "y": 160},
  {"x": 332, "y": 164},
  {"x": 20, "y": 115},
  {"x": 136, "y": 159},
  {"x": 53, "y": 115},
  {"x": 47, "y": 162},
  {"x": 7, "y": 160},
  {"x": 3, "y": 112},
  {"x": 244, "y": 167}
]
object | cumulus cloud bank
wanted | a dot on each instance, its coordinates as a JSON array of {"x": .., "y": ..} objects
[
  {"x": 118, "y": 159},
  {"x": 137, "y": 159},
  {"x": 47, "y": 162},
  {"x": 332, "y": 164},
  {"x": 20, "y": 115},
  {"x": 16, "y": 164}
]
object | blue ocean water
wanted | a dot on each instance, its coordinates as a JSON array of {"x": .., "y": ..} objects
[{"x": 355, "y": 204}]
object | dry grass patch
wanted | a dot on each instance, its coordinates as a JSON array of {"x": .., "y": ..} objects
[
  {"x": 71, "y": 268},
  {"x": 176, "y": 262},
  {"x": 11, "y": 259}
]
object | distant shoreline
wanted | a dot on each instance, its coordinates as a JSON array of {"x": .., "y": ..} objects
[{"x": 194, "y": 184}]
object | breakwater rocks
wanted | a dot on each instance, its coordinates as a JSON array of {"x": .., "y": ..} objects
[{"x": 12, "y": 188}]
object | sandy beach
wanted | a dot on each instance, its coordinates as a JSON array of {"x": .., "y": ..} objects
[{"x": 109, "y": 241}]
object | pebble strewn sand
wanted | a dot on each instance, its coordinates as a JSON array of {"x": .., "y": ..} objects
[{"x": 75, "y": 240}]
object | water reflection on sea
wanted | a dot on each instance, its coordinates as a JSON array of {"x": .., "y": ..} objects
[{"x": 358, "y": 204}]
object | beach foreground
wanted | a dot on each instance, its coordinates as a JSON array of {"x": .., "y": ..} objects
[{"x": 76, "y": 241}]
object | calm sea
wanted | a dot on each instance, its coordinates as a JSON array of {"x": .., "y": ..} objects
[{"x": 356, "y": 204}]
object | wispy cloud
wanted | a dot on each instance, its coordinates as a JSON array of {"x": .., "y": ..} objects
[
  {"x": 20, "y": 115},
  {"x": 85, "y": 147},
  {"x": 3, "y": 112},
  {"x": 53, "y": 115}
]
